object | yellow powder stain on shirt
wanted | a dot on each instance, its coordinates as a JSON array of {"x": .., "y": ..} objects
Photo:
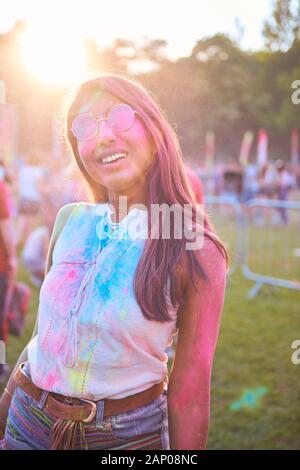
[
  {"x": 123, "y": 314},
  {"x": 74, "y": 380}
]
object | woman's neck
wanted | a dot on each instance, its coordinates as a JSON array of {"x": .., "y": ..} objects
[{"x": 121, "y": 203}]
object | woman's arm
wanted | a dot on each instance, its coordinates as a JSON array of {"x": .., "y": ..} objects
[{"x": 190, "y": 378}]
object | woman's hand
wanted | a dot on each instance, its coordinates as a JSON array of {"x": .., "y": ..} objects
[{"x": 190, "y": 378}]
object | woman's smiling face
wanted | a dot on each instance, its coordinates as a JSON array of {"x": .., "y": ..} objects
[{"x": 136, "y": 142}]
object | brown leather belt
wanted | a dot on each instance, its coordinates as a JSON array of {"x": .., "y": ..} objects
[{"x": 79, "y": 409}]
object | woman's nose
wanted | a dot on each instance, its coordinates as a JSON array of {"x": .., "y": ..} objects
[{"x": 105, "y": 133}]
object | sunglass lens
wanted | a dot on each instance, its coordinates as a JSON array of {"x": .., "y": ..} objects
[
  {"x": 121, "y": 117},
  {"x": 84, "y": 126}
]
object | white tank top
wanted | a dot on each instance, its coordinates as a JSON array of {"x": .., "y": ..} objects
[{"x": 93, "y": 341}]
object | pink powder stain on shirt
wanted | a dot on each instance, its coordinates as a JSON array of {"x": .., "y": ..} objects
[
  {"x": 50, "y": 378},
  {"x": 71, "y": 274},
  {"x": 126, "y": 290},
  {"x": 53, "y": 285},
  {"x": 58, "y": 342},
  {"x": 50, "y": 381}
]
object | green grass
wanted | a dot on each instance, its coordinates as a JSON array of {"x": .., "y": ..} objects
[
  {"x": 254, "y": 347},
  {"x": 254, "y": 350}
]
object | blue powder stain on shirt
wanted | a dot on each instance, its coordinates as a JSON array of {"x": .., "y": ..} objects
[{"x": 104, "y": 291}]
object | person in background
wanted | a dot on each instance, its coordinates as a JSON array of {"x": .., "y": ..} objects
[
  {"x": 30, "y": 175},
  {"x": 2, "y": 171},
  {"x": 267, "y": 180},
  {"x": 285, "y": 182},
  {"x": 267, "y": 183},
  {"x": 35, "y": 253},
  {"x": 250, "y": 183},
  {"x": 51, "y": 187},
  {"x": 6, "y": 175},
  {"x": 232, "y": 182},
  {"x": 8, "y": 265}
]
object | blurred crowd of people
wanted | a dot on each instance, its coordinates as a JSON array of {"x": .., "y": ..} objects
[{"x": 274, "y": 180}]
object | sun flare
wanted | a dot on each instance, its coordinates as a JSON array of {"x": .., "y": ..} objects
[{"x": 53, "y": 58}]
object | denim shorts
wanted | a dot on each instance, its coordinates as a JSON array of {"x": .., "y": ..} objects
[{"x": 29, "y": 425}]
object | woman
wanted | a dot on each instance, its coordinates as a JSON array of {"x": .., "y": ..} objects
[{"x": 117, "y": 291}]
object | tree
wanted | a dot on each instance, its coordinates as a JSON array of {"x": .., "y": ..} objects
[{"x": 283, "y": 28}]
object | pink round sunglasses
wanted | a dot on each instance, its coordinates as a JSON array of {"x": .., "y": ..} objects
[{"x": 85, "y": 126}]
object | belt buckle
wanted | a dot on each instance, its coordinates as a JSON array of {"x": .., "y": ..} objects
[
  {"x": 92, "y": 413},
  {"x": 20, "y": 368}
]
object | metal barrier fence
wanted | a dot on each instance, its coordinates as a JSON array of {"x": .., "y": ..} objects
[
  {"x": 262, "y": 237},
  {"x": 273, "y": 229},
  {"x": 227, "y": 216}
]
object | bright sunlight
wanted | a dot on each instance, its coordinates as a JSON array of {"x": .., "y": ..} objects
[{"x": 53, "y": 57}]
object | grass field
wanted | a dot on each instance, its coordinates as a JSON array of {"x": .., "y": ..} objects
[
  {"x": 255, "y": 386},
  {"x": 254, "y": 348}
]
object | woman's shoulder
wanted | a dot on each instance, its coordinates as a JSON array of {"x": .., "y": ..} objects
[
  {"x": 66, "y": 210},
  {"x": 97, "y": 208},
  {"x": 210, "y": 256},
  {"x": 62, "y": 216},
  {"x": 82, "y": 206},
  {"x": 75, "y": 209}
]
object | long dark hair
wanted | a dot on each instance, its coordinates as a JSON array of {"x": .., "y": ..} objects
[{"x": 167, "y": 183}]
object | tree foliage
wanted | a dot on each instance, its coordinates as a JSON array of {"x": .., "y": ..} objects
[{"x": 283, "y": 28}]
